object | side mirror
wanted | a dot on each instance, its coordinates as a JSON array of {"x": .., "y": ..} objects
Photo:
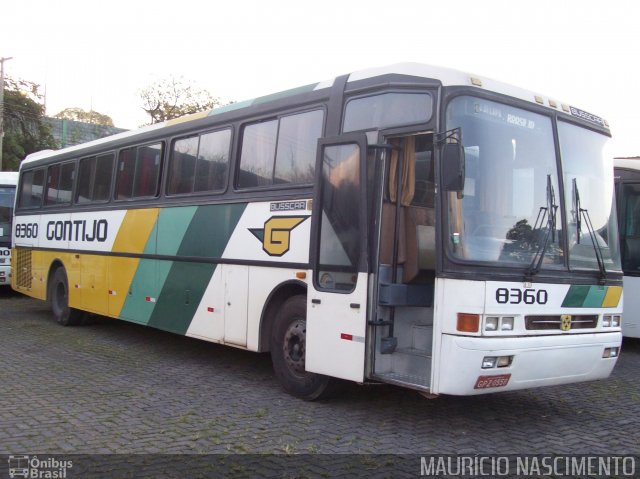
[{"x": 453, "y": 167}]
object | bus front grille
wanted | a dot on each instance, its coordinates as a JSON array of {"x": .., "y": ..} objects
[
  {"x": 23, "y": 268},
  {"x": 578, "y": 321}
]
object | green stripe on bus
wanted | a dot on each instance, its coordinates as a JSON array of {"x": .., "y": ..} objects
[
  {"x": 575, "y": 296},
  {"x": 184, "y": 285},
  {"x": 585, "y": 296},
  {"x": 210, "y": 230},
  {"x": 285, "y": 93},
  {"x": 181, "y": 294},
  {"x": 595, "y": 297},
  {"x": 173, "y": 224},
  {"x": 143, "y": 290}
]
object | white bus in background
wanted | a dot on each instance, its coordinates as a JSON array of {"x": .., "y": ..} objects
[
  {"x": 627, "y": 178},
  {"x": 8, "y": 182}
]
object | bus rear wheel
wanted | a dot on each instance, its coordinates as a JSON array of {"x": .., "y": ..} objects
[
  {"x": 59, "y": 295},
  {"x": 288, "y": 348}
]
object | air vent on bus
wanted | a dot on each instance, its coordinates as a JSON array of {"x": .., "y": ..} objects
[
  {"x": 578, "y": 321},
  {"x": 23, "y": 268}
]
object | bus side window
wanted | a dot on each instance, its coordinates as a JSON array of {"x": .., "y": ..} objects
[
  {"x": 213, "y": 161},
  {"x": 182, "y": 166},
  {"x": 86, "y": 172},
  {"x": 53, "y": 180},
  {"x": 31, "y": 188},
  {"x": 126, "y": 170},
  {"x": 280, "y": 151},
  {"x": 199, "y": 163},
  {"x": 102, "y": 179},
  {"x": 147, "y": 171},
  {"x": 257, "y": 155}
]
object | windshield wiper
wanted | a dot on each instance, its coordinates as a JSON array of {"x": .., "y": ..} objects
[
  {"x": 549, "y": 213},
  {"x": 592, "y": 232}
]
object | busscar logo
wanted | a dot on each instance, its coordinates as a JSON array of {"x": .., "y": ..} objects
[
  {"x": 276, "y": 234},
  {"x": 565, "y": 322}
]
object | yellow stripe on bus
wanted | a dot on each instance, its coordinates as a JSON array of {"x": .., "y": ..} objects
[
  {"x": 612, "y": 298},
  {"x": 132, "y": 238},
  {"x": 134, "y": 231}
]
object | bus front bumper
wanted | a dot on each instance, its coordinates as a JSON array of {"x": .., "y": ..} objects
[{"x": 536, "y": 361}]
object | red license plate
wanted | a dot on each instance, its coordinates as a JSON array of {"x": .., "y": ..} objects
[{"x": 498, "y": 381}]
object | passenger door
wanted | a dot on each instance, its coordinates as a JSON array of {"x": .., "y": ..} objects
[{"x": 337, "y": 295}]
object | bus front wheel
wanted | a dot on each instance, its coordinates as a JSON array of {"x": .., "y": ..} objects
[
  {"x": 288, "y": 347},
  {"x": 59, "y": 295}
]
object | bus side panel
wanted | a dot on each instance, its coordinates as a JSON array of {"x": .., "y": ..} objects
[
  {"x": 94, "y": 283},
  {"x": 631, "y": 308},
  {"x": 137, "y": 234}
]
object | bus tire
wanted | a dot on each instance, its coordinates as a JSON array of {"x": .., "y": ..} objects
[
  {"x": 288, "y": 347},
  {"x": 59, "y": 295}
]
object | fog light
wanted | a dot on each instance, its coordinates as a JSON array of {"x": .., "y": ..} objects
[
  {"x": 616, "y": 321},
  {"x": 489, "y": 362},
  {"x": 606, "y": 321},
  {"x": 507, "y": 323},
  {"x": 610, "y": 352},
  {"x": 491, "y": 323},
  {"x": 504, "y": 361}
]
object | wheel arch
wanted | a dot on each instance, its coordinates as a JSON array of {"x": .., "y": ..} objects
[
  {"x": 276, "y": 298},
  {"x": 55, "y": 264}
]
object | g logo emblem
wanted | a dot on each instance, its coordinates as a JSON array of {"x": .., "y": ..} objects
[
  {"x": 276, "y": 234},
  {"x": 565, "y": 322}
]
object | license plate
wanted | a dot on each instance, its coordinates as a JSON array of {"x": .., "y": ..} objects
[{"x": 484, "y": 382}]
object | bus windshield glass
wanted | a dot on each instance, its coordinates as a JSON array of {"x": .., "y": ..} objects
[
  {"x": 6, "y": 213},
  {"x": 588, "y": 180},
  {"x": 509, "y": 211}
]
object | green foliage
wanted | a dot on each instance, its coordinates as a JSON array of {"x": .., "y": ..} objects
[
  {"x": 25, "y": 131},
  {"x": 172, "y": 98},
  {"x": 78, "y": 114}
]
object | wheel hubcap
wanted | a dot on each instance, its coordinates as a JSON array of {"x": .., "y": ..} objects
[{"x": 294, "y": 345}]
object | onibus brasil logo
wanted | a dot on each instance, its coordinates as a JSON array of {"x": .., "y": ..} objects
[
  {"x": 276, "y": 234},
  {"x": 35, "y": 467}
]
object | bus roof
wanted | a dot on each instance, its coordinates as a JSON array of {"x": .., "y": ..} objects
[
  {"x": 447, "y": 76},
  {"x": 632, "y": 163},
  {"x": 8, "y": 178}
]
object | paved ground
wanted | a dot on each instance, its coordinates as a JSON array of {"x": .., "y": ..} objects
[{"x": 113, "y": 387}]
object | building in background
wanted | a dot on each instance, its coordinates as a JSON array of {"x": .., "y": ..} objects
[{"x": 70, "y": 132}]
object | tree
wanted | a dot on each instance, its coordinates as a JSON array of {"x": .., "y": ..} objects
[
  {"x": 172, "y": 98},
  {"x": 24, "y": 128},
  {"x": 78, "y": 114}
]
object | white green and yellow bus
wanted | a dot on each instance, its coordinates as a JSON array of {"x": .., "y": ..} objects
[
  {"x": 8, "y": 182},
  {"x": 627, "y": 178},
  {"x": 406, "y": 224}
]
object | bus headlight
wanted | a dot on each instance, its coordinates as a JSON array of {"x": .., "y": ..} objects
[
  {"x": 491, "y": 323},
  {"x": 611, "y": 352},
  {"x": 611, "y": 320},
  {"x": 507, "y": 323},
  {"x": 489, "y": 362},
  {"x": 499, "y": 323}
]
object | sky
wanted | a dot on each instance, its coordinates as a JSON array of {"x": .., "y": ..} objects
[{"x": 99, "y": 55}]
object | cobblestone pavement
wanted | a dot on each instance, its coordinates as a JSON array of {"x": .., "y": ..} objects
[{"x": 115, "y": 387}]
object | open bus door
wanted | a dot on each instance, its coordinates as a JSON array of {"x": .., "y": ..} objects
[{"x": 337, "y": 294}]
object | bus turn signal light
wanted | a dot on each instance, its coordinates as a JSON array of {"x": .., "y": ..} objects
[{"x": 468, "y": 323}]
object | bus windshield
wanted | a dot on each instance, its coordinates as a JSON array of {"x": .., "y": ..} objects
[
  {"x": 6, "y": 213},
  {"x": 588, "y": 178},
  {"x": 509, "y": 210}
]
